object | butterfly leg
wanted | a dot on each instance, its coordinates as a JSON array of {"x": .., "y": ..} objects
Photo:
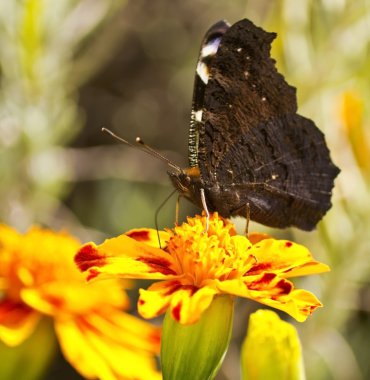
[
  {"x": 177, "y": 210},
  {"x": 159, "y": 209},
  {"x": 247, "y": 217},
  {"x": 244, "y": 211},
  {"x": 204, "y": 203}
]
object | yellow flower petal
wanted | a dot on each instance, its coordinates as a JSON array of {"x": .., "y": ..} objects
[
  {"x": 299, "y": 304},
  {"x": 155, "y": 301},
  {"x": 186, "y": 303},
  {"x": 39, "y": 277},
  {"x": 284, "y": 257},
  {"x": 17, "y": 322},
  {"x": 276, "y": 292},
  {"x": 149, "y": 236},
  {"x": 187, "y": 307},
  {"x": 124, "y": 257},
  {"x": 74, "y": 297},
  {"x": 93, "y": 344}
]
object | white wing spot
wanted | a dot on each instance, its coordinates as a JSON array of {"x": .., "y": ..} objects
[
  {"x": 198, "y": 115},
  {"x": 203, "y": 72},
  {"x": 239, "y": 50},
  {"x": 263, "y": 99},
  {"x": 211, "y": 47}
]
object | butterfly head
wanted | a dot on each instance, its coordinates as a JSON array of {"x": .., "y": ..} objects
[{"x": 188, "y": 183}]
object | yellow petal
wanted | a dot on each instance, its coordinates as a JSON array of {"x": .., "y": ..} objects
[
  {"x": 97, "y": 347},
  {"x": 155, "y": 301},
  {"x": 186, "y": 302},
  {"x": 17, "y": 322},
  {"x": 74, "y": 296},
  {"x": 149, "y": 236},
  {"x": 124, "y": 257},
  {"x": 187, "y": 307},
  {"x": 285, "y": 258},
  {"x": 278, "y": 293}
]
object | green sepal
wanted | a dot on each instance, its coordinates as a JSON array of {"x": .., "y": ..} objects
[{"x": 196, "y": 351}]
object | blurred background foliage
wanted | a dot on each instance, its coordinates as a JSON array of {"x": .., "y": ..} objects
[{"x": 67, "y": 68}]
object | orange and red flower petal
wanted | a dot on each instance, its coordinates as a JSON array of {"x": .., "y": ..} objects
[
  {"x": 109, "y": 346},
  {"x": 17, "y": 322},
  {"x": 74, "y": 297},
  {"x": 285, "y": 258},
  {"x": 274, "y": 291},
  {"x": 186, "y": 302},
  {"x": 124, "y": 257},
  {"x": 299, "y": 304},
  {"x": 149, "y": 236}
]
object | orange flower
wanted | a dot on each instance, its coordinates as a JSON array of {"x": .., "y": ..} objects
[
  {"x": 195, "y": 266},
  {"x": 39, "y": 278}
]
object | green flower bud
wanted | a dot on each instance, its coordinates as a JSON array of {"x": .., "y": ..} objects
[{"x": 271, "y": 349}]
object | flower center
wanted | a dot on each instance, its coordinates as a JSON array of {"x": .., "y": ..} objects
[{"x": 207, "y": 255}]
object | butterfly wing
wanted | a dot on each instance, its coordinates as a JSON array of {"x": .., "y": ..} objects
[
  {"x": 253, "y": 147},
  {"x": 208, "y": 50}
]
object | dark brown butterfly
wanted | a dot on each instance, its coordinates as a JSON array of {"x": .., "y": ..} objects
[{"x": 249, "y": 150}]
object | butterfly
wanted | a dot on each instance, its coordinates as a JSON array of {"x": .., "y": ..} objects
[{"x": 250, "y": 153}]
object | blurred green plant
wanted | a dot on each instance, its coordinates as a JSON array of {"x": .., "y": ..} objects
[{"x": 43, "y": 49}]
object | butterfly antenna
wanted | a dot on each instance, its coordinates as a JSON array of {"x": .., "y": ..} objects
[
  {"x": 143, "y": 147},
  {"x": 149, "y": 150}
]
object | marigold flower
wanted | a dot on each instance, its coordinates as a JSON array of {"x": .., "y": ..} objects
[
  {"x": 39, "y": 278},
  {"x": 195, "y": 266}
]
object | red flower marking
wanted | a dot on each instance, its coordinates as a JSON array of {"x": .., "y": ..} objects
[
  {"x": 285, "y": 286},
  {"x": 139, "y": 235},
  {"x": 191, "y": 288},
  {"x": 258, "y": 268},
  {"x": 155, "y": 337},
  {"x": 264, "y": 280},
  {"x": 288, "y": 244},
  {"x": 158, "y": 264},
  {"x": 176, "y": 312},
  {"x": 141, "y": 302},
  {"x": 92, "y": 274},
  {"x": 86, "y": 325},
  {"x": 12, "y": 312},
  {"x": 58, "y": 302},
  {"x": 308, "y": 309},
  {"x": 88, "y": 256},
  {"x": 175, "y": 285}
]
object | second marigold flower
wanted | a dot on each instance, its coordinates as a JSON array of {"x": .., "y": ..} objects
[{"x": 195, "y": 265}]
